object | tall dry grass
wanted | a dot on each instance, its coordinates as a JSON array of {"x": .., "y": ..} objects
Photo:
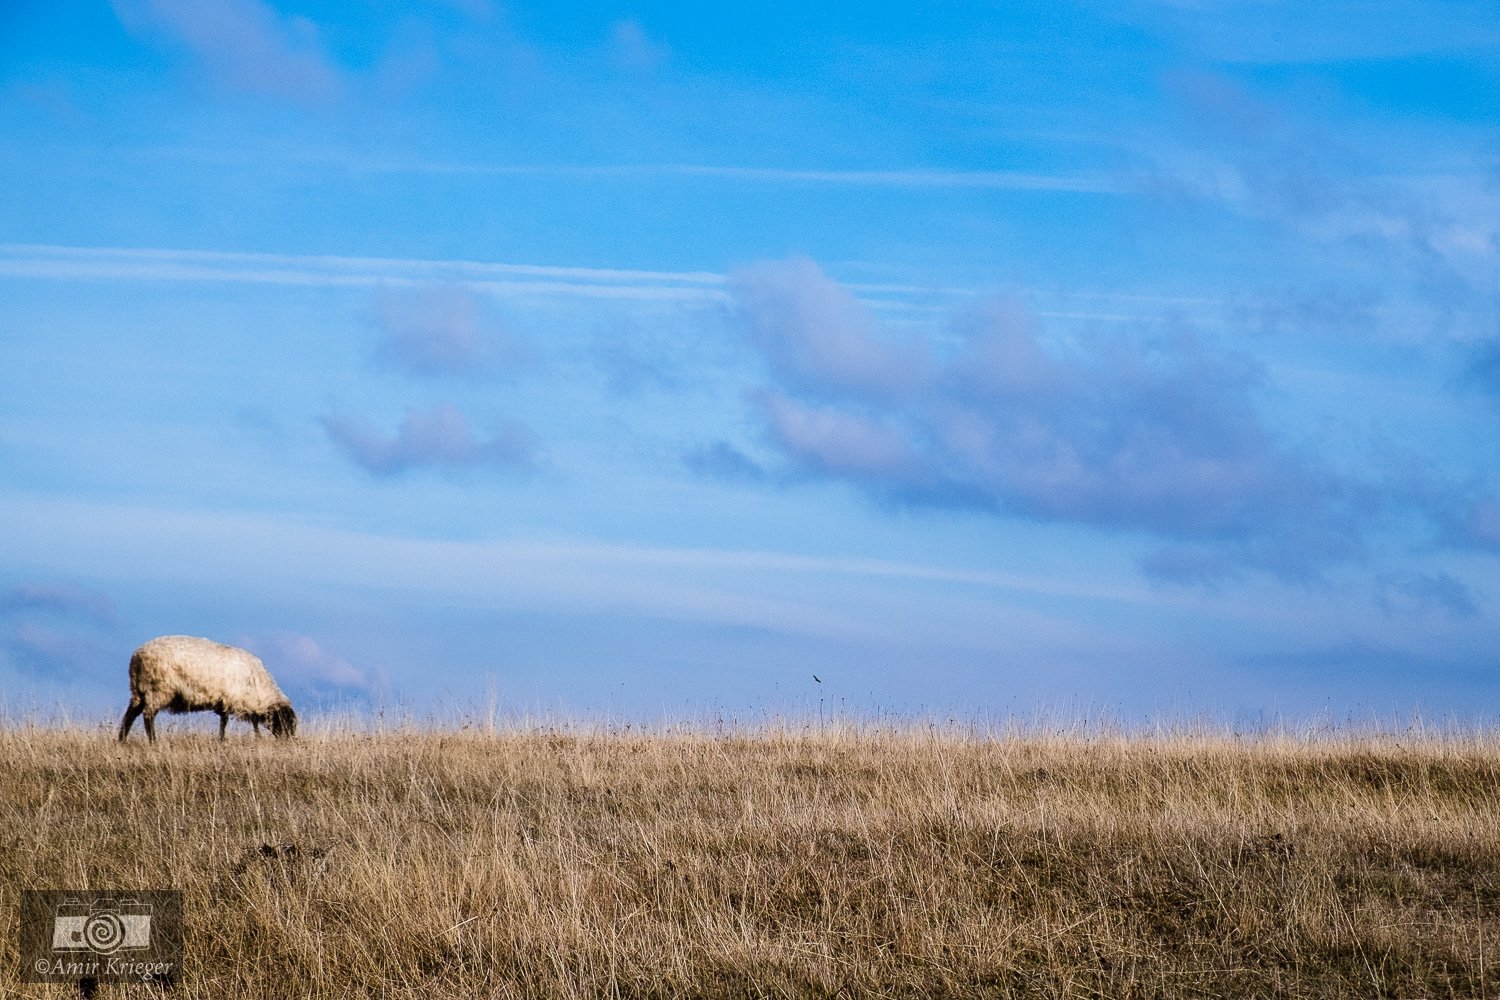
[{"x": 850, "y": 862}]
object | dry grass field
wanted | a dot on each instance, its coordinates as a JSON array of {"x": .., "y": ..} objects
[{"x": 841, "y": 862}]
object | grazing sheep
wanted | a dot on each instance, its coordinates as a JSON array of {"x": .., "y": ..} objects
[{"x": 180, "y": 673}]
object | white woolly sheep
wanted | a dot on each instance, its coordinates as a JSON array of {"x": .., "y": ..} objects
[{"x": 181, "y": 673}]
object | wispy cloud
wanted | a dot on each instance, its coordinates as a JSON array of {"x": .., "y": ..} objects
[
  {"x": 56, "y": 630},
  {"x": 437, "y": 438},
  {"x": 513, "y": 280},
  {"x": 304, "y": 664},
  {"x": 997, "y": 179},
  {"x": 244, "y": 44},
  {"x": 634, "y": 50},
  {"x": 723, "y": 460},
  {"x": 524, "y": 281},
  {"x": 59, "y": 599},
  {"x": 1082, "y": 182},
  {"x": 1258, "y": 158},
  {"x": 834, "y": 596},
  {"x": 1419, "y": 593},
  {"x": 441, "y": 330}
]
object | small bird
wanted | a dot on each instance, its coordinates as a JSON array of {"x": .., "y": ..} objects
[{"x": 817, "y": 678}]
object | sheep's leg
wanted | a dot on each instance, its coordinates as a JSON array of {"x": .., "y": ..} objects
[
  {"x": 149, "y": 721},
  {"x": 131, "y": 711},
  {"x": 256, "y": 724},
  {"x": 223, "y": 725}
]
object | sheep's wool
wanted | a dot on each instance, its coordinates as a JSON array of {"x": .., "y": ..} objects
[{"x": 185, "y": 673}]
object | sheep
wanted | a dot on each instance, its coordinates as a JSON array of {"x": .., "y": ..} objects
[{"x": 182, "y": 673}]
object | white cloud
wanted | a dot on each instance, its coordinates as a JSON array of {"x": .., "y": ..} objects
[
  {"x": 438, "y": 438},
  {"x": 818, "y": 336},
  {"x": 244, "y": 44},
  {"x": 442, "y": 330},
  {"x": 1162, "y": 436},
  {"x": 300, "y": 661}
]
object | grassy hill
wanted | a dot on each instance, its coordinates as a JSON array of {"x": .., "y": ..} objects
[{"x": 841, "y": 862}]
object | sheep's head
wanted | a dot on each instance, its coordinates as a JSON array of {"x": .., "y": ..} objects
[{"x": 283, "y": 721}]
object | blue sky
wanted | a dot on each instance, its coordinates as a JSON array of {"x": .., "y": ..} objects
[{"x": 981, "y": 360}]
